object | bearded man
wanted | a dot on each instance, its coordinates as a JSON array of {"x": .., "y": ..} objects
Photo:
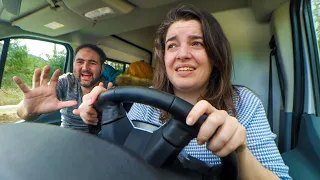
[{"x": 64, "y": 92}]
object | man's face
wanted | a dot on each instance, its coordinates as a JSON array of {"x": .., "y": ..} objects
[{"x": 87, "y": 67}]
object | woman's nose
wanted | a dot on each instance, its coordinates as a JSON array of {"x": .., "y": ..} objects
[{"x": 184, "y": 52}]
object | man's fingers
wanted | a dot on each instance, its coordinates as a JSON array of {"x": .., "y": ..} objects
[
  {"x": 36, "y": 78},
  {"x": 45, "y": 76},
  {"x": 54, "y": 78},
  {"x": 21, "y": 85},
  {"x": 92, "y": 112},
  {"x": 88, "y": 114},
  {"x": 76, "y": 112},
  {"x": 88, "y": 119},
  {"x": 93, "y": 121},
  {"x": 94, "y": 118},
  {"x": 64, "y": 104},
  {"x": 96, "y": 91},
  {"x": 110, "y": 85}
]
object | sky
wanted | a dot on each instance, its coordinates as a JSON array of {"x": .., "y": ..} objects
[{"x": 41, "y": 48}]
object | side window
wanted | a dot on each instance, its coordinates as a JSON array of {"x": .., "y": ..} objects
[
  {"x": 315, "y": 49},
  {"x": 121, "y": 66},
  {"x": 127, "y": 66},
  {"x": 315, "y": 6},
  {"x": 23, "y": 56},
  {"x": 1, "y": 45}
]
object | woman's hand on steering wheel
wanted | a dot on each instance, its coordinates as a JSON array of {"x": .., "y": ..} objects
[
  {"x": 229, "y": 134},
  {"x": 86, "y": 111}
]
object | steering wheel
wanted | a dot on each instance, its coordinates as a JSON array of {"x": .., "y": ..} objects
[
  {"x": 40, "y": 151},
  {"x": 161, "y": 147}
]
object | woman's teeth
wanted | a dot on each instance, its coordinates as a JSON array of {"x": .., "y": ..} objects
[{"x": 186, "y": 69}]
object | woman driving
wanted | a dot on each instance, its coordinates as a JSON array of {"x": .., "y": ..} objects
[{"x": 194, "y": 63}]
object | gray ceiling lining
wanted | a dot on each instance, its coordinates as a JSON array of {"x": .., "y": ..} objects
[
  {"x": 142, "y": 18},
  {"x": 145, "y": 17},
  {"x": 151, "y": 3}
]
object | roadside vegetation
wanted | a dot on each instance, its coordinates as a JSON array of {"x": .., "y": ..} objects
[{"x": 20, "y": 62}]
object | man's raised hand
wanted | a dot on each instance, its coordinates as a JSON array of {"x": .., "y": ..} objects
[{"x": 42, "y": 97}]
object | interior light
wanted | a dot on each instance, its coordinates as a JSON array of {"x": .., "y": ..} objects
[
  {"x": 99, "y": 12},
  {"x": 54, "y": 25}
]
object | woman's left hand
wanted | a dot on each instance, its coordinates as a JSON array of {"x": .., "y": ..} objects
[{"x": 228, "y": 133}]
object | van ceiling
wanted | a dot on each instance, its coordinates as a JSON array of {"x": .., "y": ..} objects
[{"x": 133, "y": 20}]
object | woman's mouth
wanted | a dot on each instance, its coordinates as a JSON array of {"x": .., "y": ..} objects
[{"x": 185, "y": 69}]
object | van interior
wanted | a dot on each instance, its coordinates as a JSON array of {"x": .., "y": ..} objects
[{"x": 274, "y": 46}]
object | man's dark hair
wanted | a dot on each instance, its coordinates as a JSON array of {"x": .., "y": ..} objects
[{"x": 98, "y": 50}]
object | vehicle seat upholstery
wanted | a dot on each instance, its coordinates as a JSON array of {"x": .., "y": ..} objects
[
  {"x": 53, "y": 118},
  {"x": 138, "y": 74},
  {"x": 110, "y": 74}
]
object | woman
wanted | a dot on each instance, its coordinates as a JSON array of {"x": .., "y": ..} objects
[{"x": 195, "y": 64}]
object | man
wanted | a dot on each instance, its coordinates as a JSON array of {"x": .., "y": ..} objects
[{"x": 64, "y": 92}]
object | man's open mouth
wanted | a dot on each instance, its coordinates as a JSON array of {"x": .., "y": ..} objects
[{"x": 86, "y": 76}]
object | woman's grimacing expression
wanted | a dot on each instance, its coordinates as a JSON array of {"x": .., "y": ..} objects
[
  {"x": 87, "y": 67},
  {"x": 187, "y": 63}
]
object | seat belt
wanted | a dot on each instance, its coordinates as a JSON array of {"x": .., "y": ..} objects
[
  {"x": 273, "y": 53},
  {"x": 270, "y": 93}
]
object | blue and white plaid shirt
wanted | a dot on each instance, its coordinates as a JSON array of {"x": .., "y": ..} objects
[{"x": 251, "y": 114}]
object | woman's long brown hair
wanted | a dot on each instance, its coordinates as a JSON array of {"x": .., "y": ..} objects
[{"x": 219, "y": 90}]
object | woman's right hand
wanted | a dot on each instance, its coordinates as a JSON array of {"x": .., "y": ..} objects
[{"x": 86, "y": 111}]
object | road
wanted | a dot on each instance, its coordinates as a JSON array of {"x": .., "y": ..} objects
[
  {"x": 8, "y": 114},
  {"x": 9, "y": 107}
]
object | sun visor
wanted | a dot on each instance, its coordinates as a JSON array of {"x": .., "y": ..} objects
[
  {"x": 53, "y": 21},
  {"x": 118, "y": 49},
  {"x": 98, "y": 10}
]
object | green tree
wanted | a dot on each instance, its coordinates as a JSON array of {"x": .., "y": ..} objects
[
  {"x": 315, "y": 6},
  {"x": 19, "y": 63},
  {"x": 56, "y": 61}
]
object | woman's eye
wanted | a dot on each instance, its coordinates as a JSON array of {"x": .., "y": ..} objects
[
  {"x": 170, "y": 46},
  {"x": 197, "y": 44}
]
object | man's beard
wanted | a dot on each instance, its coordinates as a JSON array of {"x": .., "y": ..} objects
[{"x": 92, "y": 83}]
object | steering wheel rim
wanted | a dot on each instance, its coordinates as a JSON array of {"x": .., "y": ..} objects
[
  {"x": 177, "y": 107},
  {"x": 41, "y": 151}
]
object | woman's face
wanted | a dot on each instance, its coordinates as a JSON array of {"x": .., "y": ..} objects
[{"x": 187, "y": 63}]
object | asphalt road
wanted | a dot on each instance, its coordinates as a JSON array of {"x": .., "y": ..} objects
[
  {"x": 9, "y": 107},
  {"x": 8, "y": 114}
]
